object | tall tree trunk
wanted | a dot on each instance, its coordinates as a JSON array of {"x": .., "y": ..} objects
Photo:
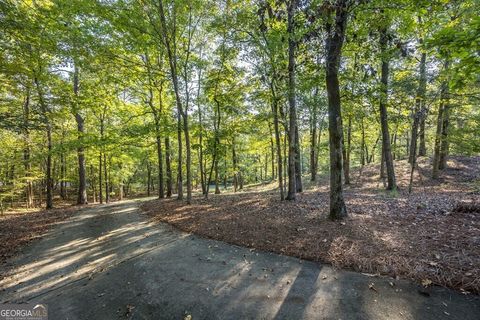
[
  {"x": 363, "y": 145},
  {"x": 419, "y": 113},
  {"x": 149, "y": 178},
  {"x": 292, "y": 179},
  {"x": 159, "y": 163},
  {"x": 168, "y": 166},
  {"x": 172, "y": 59},
  {"x": 100, "y": 178},
  {"x": 105, "y": 172},
  {"x": 26, "y": 150},
  {"x": 298, "y": 162},
  {"x": 234, "y": 163},
  {"x": 217, "y": 189},
  {"x": 278, "y": 143},
  {"x": 444, "y": 141},
  {"x": 313, "y": 141},
  {"x": 438, "y": 137},
  {"x": 346, "y": 153},
  {"x": 422, "y": 150},
  {"x": 441, "y": 136},
  {"x": 386, "y": 146},
  {"x": 272, "y": 152},
  {"x": 92, "y": 183},
  {"x": 63, "y": 173},
  {"x": 200, "y": 137},
  {"x": 48, "y": 128},
  {"x": 82, "y": 176},
  {"x": 334, "y": 43},
  {"x": 189, "y": 156}
]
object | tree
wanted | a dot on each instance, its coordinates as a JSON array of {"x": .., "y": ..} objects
[
  {"x": 334, "y": 43},
  {"x": 386, "y": 148}
]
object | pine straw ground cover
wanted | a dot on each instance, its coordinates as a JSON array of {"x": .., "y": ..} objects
[{"x": 432, "y": 234}]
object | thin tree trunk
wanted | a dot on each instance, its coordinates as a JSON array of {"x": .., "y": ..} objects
[
  {"x": 346, "y": 153},
  {"x": 272, "y": 152},
  {"x": 200, "y": 136},
  {"x": 422, "y": 150},
  {"x": 419, "y": 113},
  {"x": 441, "y": 136},
  {"x": 168, "y": 166},
  {"x": 438, "y": 138},
  {"x": 100, "y": 178},
  {"x": 159, "y": 160},
  {"x": 92, "y": 183},
  {"x": 26, "y": 150},
  {"x": 149, "y": 178},
  {"x": 386, "y": 146},
  {"x": 444, "y": 144},
  {"x": 63, "y": 171},
  {"x": 217, "y": 189},
  {"x": 334, "y": 43},
  {"x": 298, "y": 162},
  {"x": 82, "y": 176},
  {"x": 363, "y": 145},
  {"x": 48, "y": 127},
  {"x": 278, "y": 144},
  {"x": 234, "y": 163},
  {"x": 105, "y": 172},
  {"x": 313, "y": 141},
  {"x": 292, "y": 179}
]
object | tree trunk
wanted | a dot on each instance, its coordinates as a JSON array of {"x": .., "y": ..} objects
[
  {"x": 234, "y": 163},
  {"x": 48, "y": 127},
  {"x": 100, "y": 178},
  {"x": 82, "y": 176},
  {"x": 63, "y": 173},
  {"x": 26, "y": 151},
  {"x": 441, "y": 136},
  {"x": 278, "y": 144},
  {"x": 217, "y": 189},
  {"x": 189, "y": 156},
  {"x": 386, "y": 146},
  {"x": 334, "y": 43},
  {"x": 419, "y": 113},
  {"x": 313, "y": 142},
  {"x": 438, "y": 137},
  {"x": 363, "y": 145},
  {"x": 149, "y": 178},
  {"x": 200, "y": 139},
  {"x": 272, "y": 152},
  {"x": 105, "y": 172},
  {"x": 422, "y": 150},
  {"x": 172, "y": 59},
  {"x": 169, "y": 167},
  {"x": 292, "y": 179},
  {"x": 298, "y": 162},
  {"x": 445, "y": 127},
  {"x": 92, "y": 183},
  {"x": 159, "y": 160},
  {"x": 346, "y": 153}
]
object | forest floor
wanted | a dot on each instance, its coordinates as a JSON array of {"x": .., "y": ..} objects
[{"x": 431, "y": 235}]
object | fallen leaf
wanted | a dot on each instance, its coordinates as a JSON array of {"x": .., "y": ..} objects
[{"x": 426, "y": 282}]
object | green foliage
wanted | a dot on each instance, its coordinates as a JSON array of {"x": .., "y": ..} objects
[{"x": 231, "y": 60}]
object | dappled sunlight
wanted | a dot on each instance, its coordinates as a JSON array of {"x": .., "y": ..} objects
[{"x": 76, "y": 250}]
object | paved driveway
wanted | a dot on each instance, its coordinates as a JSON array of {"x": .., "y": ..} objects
[{"x": 110, "y": 262}]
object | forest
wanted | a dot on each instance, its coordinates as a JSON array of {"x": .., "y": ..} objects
[
  {"x": 106, "y": 99},
  {"x": 254, "y": 122}
]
